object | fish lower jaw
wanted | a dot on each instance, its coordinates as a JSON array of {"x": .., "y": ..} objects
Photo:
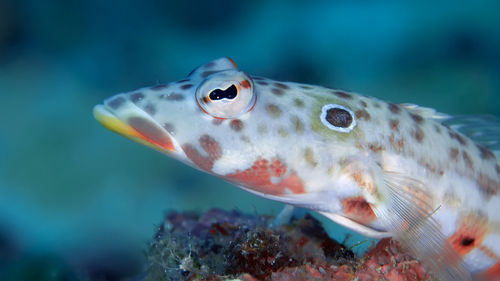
[{"x": 135, "y": 124}]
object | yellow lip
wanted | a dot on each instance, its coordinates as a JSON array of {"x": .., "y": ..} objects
[{"x": 138, "y": 134}]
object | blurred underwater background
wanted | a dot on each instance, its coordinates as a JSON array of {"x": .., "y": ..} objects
[{"x": 78, "y": 202}]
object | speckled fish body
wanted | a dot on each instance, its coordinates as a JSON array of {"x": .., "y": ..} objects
[{"x": 378, "y": 168}]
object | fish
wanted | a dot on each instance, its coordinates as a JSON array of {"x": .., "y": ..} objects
[{"x": 429, "y": 180}]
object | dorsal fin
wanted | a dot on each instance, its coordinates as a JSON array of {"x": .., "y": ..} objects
[
  {"x": 426, "y": 112},
  {"x": 483, "y": 129},
  {"x": 208, "y": 68}
]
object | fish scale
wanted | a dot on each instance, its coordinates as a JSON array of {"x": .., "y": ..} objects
[{"x": 378, "y": 168}]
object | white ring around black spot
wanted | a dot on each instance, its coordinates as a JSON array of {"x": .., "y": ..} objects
[{"x": 324, "y": 112}]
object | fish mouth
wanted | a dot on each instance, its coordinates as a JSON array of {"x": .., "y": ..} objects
[{"x": 135, "y": 124}]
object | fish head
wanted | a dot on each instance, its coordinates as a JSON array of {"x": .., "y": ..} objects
[
  {"x": 254, "y": 132},
  {"x": 184, "y": 119}
]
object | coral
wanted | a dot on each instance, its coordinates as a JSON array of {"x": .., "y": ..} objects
[{"x": 223, "y": 245}]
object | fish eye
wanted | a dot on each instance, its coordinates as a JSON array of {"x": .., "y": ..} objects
[
  {"x": 338, "y": 118},
  {"x": 226, "y": 94}
]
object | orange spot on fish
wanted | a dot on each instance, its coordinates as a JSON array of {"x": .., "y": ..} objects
[
  {"x": 469, "y": 235},
  {"x": 150, "y": 133},
  {"x": 358, "y": 209},
  {"x": 258, "y": 177},
  {"x": 210, "y": 146},
  {"x": 492, "y": 273},
  {"x": 245, "y": 84},
  {"x": 232, "y": 61}
]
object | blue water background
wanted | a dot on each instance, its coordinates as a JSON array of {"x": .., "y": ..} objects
[{"x": 74, "y": 195}]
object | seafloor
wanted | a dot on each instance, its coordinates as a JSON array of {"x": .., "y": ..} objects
[{"x": 229, "y": 245}]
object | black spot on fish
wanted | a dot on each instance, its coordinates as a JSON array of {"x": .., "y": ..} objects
[
  {"x": 159, "y": 87},
  {"x": 417, "y": 118},
  {"x": 116, "y": 102},
  {"x": 277, "y": 91},
  {"x": 342, "y": 94},
  {"x": 485, "y": 153},
  {"x": 136, "y": 97},
  {"x": 339, "y": 117},
  {"x": 186, "y": 86},
  {"x": 394, "y": 108},
  {"x": 207, "y": 73},
  {"x": 281, "y": 86},
  {"x": 363, "y": 114}
]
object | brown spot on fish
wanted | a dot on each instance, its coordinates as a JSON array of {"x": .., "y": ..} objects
[
  {"x": 207, "y": 73},
  {"x": 181, "y": 81},
  {"x": 376, "y": 147},
  {"x": 363, "y": 114},
  {"x": 437, "y": 128},
  {"x": 298, "y": 103},
  {"x": 397, "y": 145},
  {"x": 497, "y": 168},
  {"x": 150, "y": 109},
  {"x": 364, "y": 183},
  {"x": 305, "y": 87},
  {"x": 470, "y": 233},
  {"x": 485, "y": 153},
  {"x": 273, "y": 110},
  {"x": 217, "y": 121},
  {"x": 236, "y": 125},
  {"x": 457, "y": 136},
  {"x": 453, "y": 153},
  {"x": 277, "y": 91},
  {"x": 263, "y": 83},
  {"x": 209, "y": 64},
  {"x": 172, "y": 97},
  {"x": 488, "y": 186},
  {"x": 394, "y": 108},
  {"x": 116, "y": 102},
  {"x": 297, "y": 125},
  {"x": 394, "y": 125},
  {"x": 338, "y": 117},
  {"x": 363, "y": 103},
  {"x": 309, "y": 156},
  {"x": 136, "y": 97},
  {"x": 159, "y": 87},
  {"x": 376, "y": 104},
  {"x": 417, "y": 118},
  {"x": 418, "y": 134},
  {"x": 467, "y": 160},
  {"x": 283, "y": 132},
  {"x": 342, "y": 94},
  {"x": 212, "y": 149},
  {"x": 358, "y": 209},
  {"x": 281, "y": 86},
  {"x": 186, "y": 86}
]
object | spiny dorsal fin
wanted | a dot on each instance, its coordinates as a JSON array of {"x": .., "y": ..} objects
[
  {"x": 408, "y": 214},
  {"x": 483, "y": 129}
]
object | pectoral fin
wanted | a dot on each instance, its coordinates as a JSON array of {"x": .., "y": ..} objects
[
  {"x": 407, "y": 212},
  {"x": 357, "y": 227}
]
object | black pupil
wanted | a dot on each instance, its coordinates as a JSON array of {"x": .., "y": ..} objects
[{"x": 229, "y": 93}]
